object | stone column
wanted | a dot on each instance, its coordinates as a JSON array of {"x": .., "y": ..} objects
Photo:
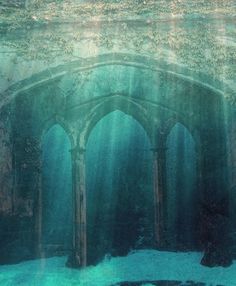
[
  {"x": 38, "y": 204},
  {"x": 159, "y": 180},
  {"x": 215, "y": 200},
  {"x": 79, "y": 255},
  {"x": 6, "y": 159}
]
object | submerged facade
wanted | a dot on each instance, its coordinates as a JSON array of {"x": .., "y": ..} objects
[{"x": 167, "y": 66}]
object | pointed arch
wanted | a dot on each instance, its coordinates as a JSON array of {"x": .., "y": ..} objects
[
  {"x": 181, "y": 166},
  {"x": 117, "y": 103},
  {"x": 57, "y": 205},
  {"x": 60, "y": 122},
  {"x": 119, "y": 189}
]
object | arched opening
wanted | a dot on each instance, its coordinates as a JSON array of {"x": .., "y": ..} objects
[
  {"x": 182, "y": 202},
  {"x": 56, "y": 192},
  {"x": 120, "y": 204}
]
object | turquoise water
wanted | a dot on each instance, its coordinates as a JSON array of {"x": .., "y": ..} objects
[{"x": 117, "y": 142}]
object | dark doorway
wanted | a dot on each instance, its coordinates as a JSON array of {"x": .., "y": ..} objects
[
  {"x": 182, "y": 202},
  {"x": 120, "y": 207},
  {"x": 57, "y": 220}
]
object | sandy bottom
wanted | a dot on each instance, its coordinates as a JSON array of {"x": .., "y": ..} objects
[{"x": 143, "y": 265}]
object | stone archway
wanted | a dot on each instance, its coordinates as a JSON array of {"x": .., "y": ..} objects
[
  {"x": 57, "y": 207},
  {"x": 120, "y": 204},
  {"x": 182, "y": 199},
  {"x": 157, "y": 92}
]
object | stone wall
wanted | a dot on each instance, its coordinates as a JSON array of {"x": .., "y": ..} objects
[{"x": 6, "y": 162}]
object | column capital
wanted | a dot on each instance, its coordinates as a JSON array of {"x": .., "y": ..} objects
[
  {"x": 78, "y": 150},
  {"x": 158, "y": 149}
]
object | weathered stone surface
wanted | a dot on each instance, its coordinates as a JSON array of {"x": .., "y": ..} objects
[
  {"x": 193, "y": 38},
  {"x": 162, "y": 283},
  {"x": 13, "y": 3},
  {"x": 6, "y": 174},
  {"x": 16, "y": 239}
]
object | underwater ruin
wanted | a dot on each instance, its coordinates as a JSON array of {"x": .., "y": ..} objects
[{"x": 117, "y": 142}]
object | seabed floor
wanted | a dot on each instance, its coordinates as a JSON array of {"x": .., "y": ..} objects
[{"x": 140, "y": 268}]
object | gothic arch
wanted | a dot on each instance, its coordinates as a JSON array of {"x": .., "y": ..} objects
[
  {"x": 52, "y": 75},
  {"x": 182, "y": 192},
  {"x": 186, "y": 129},
  {"x": 56, "y": 194},
  {"x": 121, "y": 103},
  {"x": 56, "y": 120},
  {"x": 145, "y": 174}
]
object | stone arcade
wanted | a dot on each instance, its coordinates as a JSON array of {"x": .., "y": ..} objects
[{"x": 78, "y": 91}]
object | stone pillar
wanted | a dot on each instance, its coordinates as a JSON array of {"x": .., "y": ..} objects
[
  {"x": 38, "y": 207},
  {"x": 232, "y": 157},
  {"x": 6, "y": 174},
  {"x": 215, "y": 201},
  {"x": 159, "y": 180},
  {"x": 79, "y": 255}
]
